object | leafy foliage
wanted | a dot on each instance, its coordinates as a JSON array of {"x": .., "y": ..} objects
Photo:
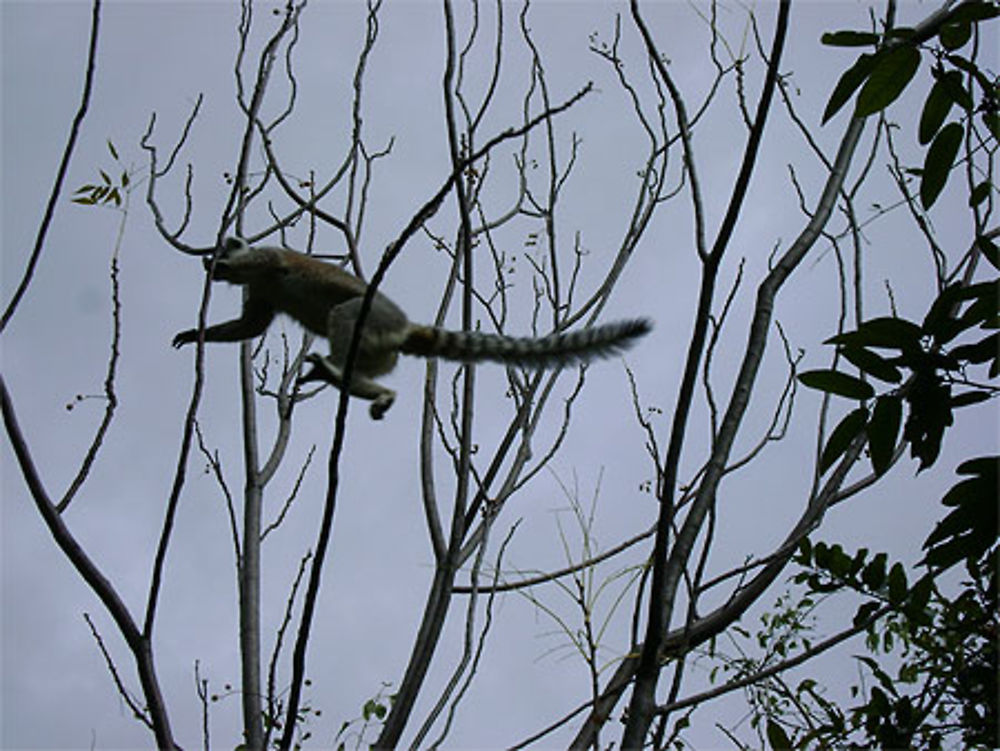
[
  {"x": 934, "y": 373},
  {"x": 106, "y": 191},
  {"x": 944, "y": 689},
  {"x": 970, "y": 529},
  {"x": 937, "y": 164},
  {"x": 880, "y": 77}
]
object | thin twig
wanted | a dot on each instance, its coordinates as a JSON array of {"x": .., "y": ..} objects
[
  {"x": 137, "y": 711},
  {"x": 50, "y": 206}
]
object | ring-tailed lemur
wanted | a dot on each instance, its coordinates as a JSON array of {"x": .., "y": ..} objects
[{"x": 326, "y": 300}]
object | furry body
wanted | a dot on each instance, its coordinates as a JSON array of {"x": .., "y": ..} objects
[{"x": 326, "y": 300}]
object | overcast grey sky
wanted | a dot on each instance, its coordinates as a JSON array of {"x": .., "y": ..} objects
[{"x": 157, "y": 57}]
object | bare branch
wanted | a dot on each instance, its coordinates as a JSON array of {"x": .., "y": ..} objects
[
  {"x": 666, "y": 573},
  {"x": 137, "y": 711},
  {"x": 95, "y": 579},
  {"x": 50, "y": 207},
  {"x": 110, "y": 395}
]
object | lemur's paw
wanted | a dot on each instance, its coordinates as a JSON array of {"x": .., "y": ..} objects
[
  {"x": 318, "y": 372},
  {"x": 381, "y": 404}
]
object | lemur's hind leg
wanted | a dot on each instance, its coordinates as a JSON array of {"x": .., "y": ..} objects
[
  {"x": 372, "y": 360},
  {"x": 323, "y": 370}
]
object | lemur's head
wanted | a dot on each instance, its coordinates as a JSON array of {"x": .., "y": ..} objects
[{"x": 232, "y": 257}]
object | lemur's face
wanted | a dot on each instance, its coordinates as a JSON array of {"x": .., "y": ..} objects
[{"x": 231, "y": 257}]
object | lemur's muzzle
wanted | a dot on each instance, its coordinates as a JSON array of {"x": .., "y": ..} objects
[{"x": 219, "y": 274}]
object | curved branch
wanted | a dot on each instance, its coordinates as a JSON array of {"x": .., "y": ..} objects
[
  {"x": 666, "y": 572},
  {"x": 552, "y": 575},
  {"x": 803, "y": 656},
  {"x": 138, "y": 642},
  {"x": 50, "y": 207},
  {"x": 691, "y": 635}
]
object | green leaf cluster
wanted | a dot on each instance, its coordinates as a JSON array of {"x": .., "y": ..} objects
[
  {"x": 944, "y": 688},
  {"x": 830, "y": 569},
  {"x": 923, "y": 371},
  {"x": 105, "y": 191},
  {"x": 969, "y": 530},
  {"x": 878, "y": 78}
]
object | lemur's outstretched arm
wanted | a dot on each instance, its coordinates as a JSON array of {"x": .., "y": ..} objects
[{"x": 257, "y": 316}]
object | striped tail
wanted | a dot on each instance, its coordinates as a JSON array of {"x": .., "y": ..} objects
[{"x": 568, "y": 348}]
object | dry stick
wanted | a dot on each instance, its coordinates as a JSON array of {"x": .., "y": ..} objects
[
  {"x": 105, "y": 591},
  {"x": 803, "y": 656},
  {"x": 480, "y": 647},
  {"x": 110, "y": 394},
  {"x": 691, "y": 635},
  {"x": 103, "y": 588},
  {"x": 409, "y": 691},
  {"x": 137, "y": 710},
  {"x": 249, "y": 570},
  {"x": 663, "y": 580},
  {"x": 553, "y": 575},
  {"x": 430, "y": 629},
  {"x": 50, "y": 207},
  {"x": 326, "y": 524}
]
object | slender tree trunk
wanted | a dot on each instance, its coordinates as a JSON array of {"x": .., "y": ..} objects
[
  {"x": 431, "y": 626},
  {"x": 249, "y": 567}
]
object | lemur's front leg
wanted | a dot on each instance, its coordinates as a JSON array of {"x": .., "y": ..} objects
[{"x": 253, "y": 322}]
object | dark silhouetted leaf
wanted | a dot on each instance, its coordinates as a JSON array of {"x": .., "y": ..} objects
[
  {"x": 981, "y": 351},
  {"x": 970, "y": 397},
  {"x": 859, "y": 561},
  {"x": 845, "y": 432},
  {"x": 849, "y": 82},
  {"x": 938, "y": 162},
  {"x": 893, "y": 70},
  {"x": 971, "y": 527},
  {"x": 986, "y": 466},
  {"x": 888, "y": 332},
  {"x": 871, "y": 363},
  {"x": 992, "y": 121},
  {"x": 973, "y": 12},
  {"x": 955, "y": 35},
  {"x": 849, "y": 39},
  {"x": 980, "y": 193},
  {"x": 940, "y": 321},
  {"x": 929, "y": 398},
  {"x": 864, "y": 612},
  {"x": 986, "y": 291},
  {"x": 839, "y": 563},
  {"x": 984, "y": 297},
  {"x": 936, "y": 108},
  {"x": 953, "y": 86},
  {"x": 897, "y": 584},
  {"x": 804, "y": 552},
  {"x": 835, "y": 382},
  {"x": 916, "y": 603},
  {"x": 874, "y": 573},
  {"x": 776, "y": 736},
  {"x": 883, "y": 430},
  {"x": 900, "y": 32}
]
